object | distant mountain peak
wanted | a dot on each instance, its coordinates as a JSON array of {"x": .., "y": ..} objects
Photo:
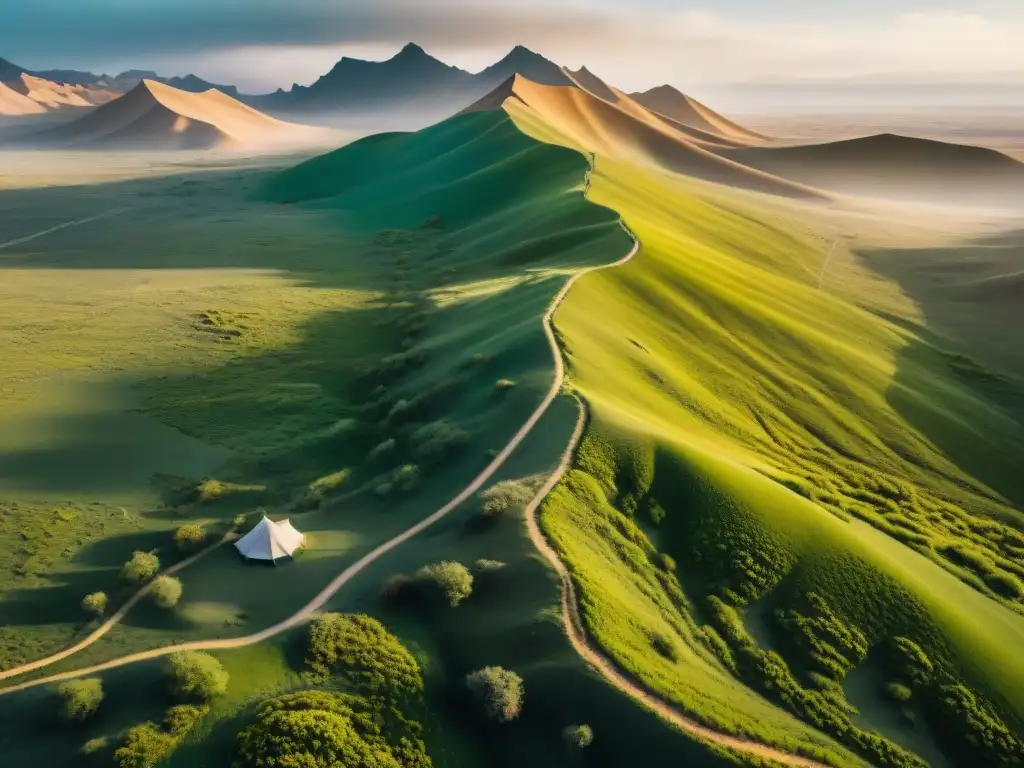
[{"x": 411, "y": 49}]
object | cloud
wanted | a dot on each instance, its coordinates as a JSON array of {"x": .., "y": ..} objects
[
  {"x": 264, "y": 44},
  {"x": 123, "y": 28}
]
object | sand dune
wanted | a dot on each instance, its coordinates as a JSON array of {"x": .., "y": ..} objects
[
  {"x": 53, "y": 95},
  {"x": 157, "y": 116},
  {"x": 591, "y": 83},
  {"x": 599, "y": 126},
  {"x": 888, "y": 165},
  {"x": 14, "y": 104},
  {"x": 667, "y": 101}
]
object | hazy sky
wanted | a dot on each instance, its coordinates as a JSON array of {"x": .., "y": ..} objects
[{"x": 263, "y": 44}]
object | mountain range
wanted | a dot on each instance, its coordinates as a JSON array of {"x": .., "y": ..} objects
[
  {"x": 124, "y": 82},
  {"x": 410, "y": 78}
]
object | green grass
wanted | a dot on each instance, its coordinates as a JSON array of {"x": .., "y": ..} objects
[
  {"x": 768, "y": 419},
  {"x": 401, "y": 325}
]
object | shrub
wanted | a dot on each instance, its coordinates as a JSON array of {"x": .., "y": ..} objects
[
  {"x": 189, "y": 537},
  {"x": 898, "y": 692},
  {"x": 196, "y": 675},
  {"x": 182, "y": 718},
  {"x": 667, "y": 563},
  {"x": 664, "y": 647},
  {"x": 504, "y": 385},
  {"x": 92, "y": 746},
  {"x": 579, "y": 735},
  {"x": 499, "y": 690},
  {"x": 450, "y": 579},
  {"x": 318, "y": 729},
  {"x": 656, "y": 512},
  {"x": 237, "y": 522},
  {"x": 484, "y": 565},
  {"x": 360, "y": 650},
  {"x": 141, "y": 568},
  {"x": 95, "y": 603},
  {"x": 406, "y": 478},
  {"x": 144, "y": 746},
  {"x": 79, "y": 699},
  {"x": 166, "y": 591},
  {"x": 438, "y": 441},
  {"x": 506, "y": 497},
  {"x": 383, "y": 450},
  {"x": 328, "y": 484}
]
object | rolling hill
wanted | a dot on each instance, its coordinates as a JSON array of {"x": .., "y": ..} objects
[
  {"x": 15, "y": 104},
  {"x": 156, "y": 116},
  {"x": 892, "y": 165},
  {"x": 667, "y": 101},
  {"x": 54, "y": 95},
  {"x": 586, "y": 121}
]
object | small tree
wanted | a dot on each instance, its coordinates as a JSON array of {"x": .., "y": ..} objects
[
  {"x": 505, "y": 498},
  {"x": 141, "y": 568},
  {"x": 189, "y": 537},
  {"x": 79, "y": 699},
  {"x": 579, "y": 736},
  {"x": 144, "y": 746},
  {"x": 166, "y": 591},
  {"x": 499, "y": 690},
  {"x": 451, "y": 579},
  {"x": 95, "y": 603},
  {"x": 182, "y": 718},
  {"x": 196, "y": 675},
  {"x": 438, "y": 441}
]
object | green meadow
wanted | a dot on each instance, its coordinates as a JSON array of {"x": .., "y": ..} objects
[{"x": 794, "y": 514}]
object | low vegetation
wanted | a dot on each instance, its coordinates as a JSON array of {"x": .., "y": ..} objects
[
  {"x": 359, "y": 650},
  {"x": 189, "y": 538},
  {"x": 95, "y": 603},
  {"x": 320, "y": 729},
  {"x": 448, "y": 580},
  {"x": 166, "y": 591},
  {"x": 499, "y": 692},
  {"x": 141, "y": 568},
  {"x": 196, "y": 676},
  {"x": 80, "y": 699}
]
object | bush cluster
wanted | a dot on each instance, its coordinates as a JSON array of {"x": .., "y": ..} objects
[
  {"x": 196, "y": 676},
  {"x": 359, "y": 650},
  {"x": 449, "y": 580},
  {"x": 319, "y": 729},
  {"x": 147, "y": 744}
]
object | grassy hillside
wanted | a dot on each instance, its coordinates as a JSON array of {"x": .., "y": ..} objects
[
  {"x": 744, "y": 425},
  {"x": 452, "y": 270}
]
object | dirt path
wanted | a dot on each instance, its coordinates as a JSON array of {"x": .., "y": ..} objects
[
  {"x": 578, "y": 637},
  {"x": 75, "y": 223},
  {"x": 570, "y": 611},
  {"x": 113, "y": 621}
]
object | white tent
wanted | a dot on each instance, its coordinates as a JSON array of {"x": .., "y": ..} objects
[{"x": 269, "y": 540}]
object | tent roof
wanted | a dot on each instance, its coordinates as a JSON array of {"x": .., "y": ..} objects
[{"x": 269, "y": 540}]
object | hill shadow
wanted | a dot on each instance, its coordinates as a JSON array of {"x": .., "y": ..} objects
[{"x": 960, "y": 380}]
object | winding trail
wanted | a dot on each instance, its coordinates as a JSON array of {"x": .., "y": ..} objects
[
  {"x": 570, "y": 610},
  {"x": 577, "y": 635},
  {"x": 113, "y": 621},
  {"x": 75, "y": 223},
  {"x": 339, "y": 581}
]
